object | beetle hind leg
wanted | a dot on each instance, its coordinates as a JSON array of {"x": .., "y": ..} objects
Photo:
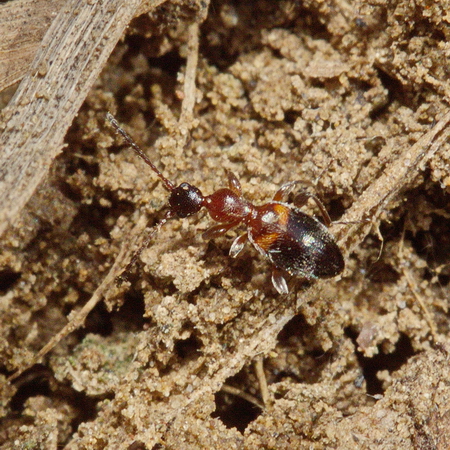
[
  {"x": 301, "y": 198},
  {"x": 279, "y": 282}
]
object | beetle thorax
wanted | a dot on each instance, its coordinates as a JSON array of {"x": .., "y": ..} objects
[{"x": 225, "y": 205}]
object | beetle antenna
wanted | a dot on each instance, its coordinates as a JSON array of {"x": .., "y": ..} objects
[{"x": 167, "y": 183}]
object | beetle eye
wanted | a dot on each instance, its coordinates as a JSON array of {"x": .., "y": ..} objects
[{"x": 186, "y": 200}]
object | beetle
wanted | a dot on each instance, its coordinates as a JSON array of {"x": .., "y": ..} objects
[{"x": 293, "y": 241}]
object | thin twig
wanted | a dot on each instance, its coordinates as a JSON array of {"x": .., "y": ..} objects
[
  {"x": 262, "y": 380},
  {"x": 414, "y": 289},
  {"x": 240, "y": 393}
]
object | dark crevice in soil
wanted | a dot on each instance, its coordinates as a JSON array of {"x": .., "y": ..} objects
[
  {"x": 188, "y": 349},
  {"x": 390, "y": 362},
  {"x": 39, "y": 381},
  {"x": 8, "y": 279},
  {"x": 233, "y": 410}
]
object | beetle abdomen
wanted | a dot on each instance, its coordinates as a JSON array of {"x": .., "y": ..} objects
[{"x": 297, "y": 243}]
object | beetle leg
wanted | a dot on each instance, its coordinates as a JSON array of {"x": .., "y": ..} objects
[
  {"x": 218, "y": 230},
  {"x": 284, "y": 191},
  {"x": 279, "y": 282},
  {"x": 233, "y": 183},
  {"x": 238, "y": 245},
  {"x": 301, "y": 198}
]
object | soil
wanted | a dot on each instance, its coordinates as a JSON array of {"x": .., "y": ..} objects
[{"x": 351, "y": 99}]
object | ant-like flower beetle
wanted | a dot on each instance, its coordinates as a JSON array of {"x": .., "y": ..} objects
[{"x": 294, "y": 242}]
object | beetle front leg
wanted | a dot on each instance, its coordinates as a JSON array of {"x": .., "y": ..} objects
[
  {"x": 233, "y": 183},
  {"x": 238, "y": 245},
  {"x": 218, "y": 230}
]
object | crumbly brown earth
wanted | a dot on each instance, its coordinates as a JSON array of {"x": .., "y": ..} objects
[{"x": 338, "y": 95}]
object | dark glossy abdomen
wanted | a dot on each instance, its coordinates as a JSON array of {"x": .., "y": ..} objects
[{"x": 298, "y": 244}]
